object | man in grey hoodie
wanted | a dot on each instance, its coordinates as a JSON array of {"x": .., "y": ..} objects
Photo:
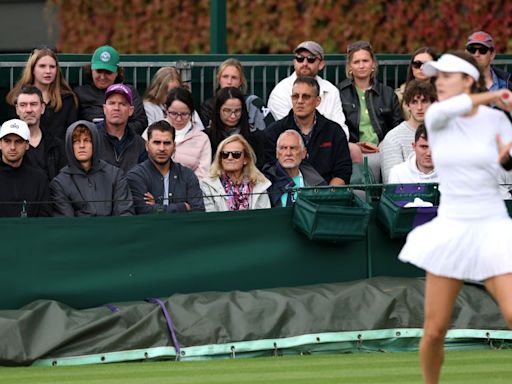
[{"x": 89, "y": 186}]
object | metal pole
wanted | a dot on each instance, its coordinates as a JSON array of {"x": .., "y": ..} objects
[{"x": 218, "y": 30}]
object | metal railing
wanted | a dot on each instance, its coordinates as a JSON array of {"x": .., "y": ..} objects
[{"x": 261, "y": 76}]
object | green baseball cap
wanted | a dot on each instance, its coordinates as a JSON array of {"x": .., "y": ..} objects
[{"x": 105, "y": 57}]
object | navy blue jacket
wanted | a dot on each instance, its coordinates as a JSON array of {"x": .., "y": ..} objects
[{"x": 183, "y": 187}]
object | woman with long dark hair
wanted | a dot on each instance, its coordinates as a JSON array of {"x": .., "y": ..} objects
[
  {"x": 414, "y": 72},
  {"x": 230, "y": 117}
]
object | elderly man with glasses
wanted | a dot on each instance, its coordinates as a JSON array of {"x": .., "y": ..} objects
[
  {"x": 308, "y": 61},
  {"x": 326, "y": 144},
  {"x": 481, "y": 45}
]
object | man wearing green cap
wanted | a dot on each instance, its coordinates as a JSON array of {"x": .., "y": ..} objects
[{"x": 104, "y": 71}]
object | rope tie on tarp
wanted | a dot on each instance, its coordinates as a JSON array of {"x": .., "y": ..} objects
[
  {"x": 170, "y": 324},
  {"x": 112, "y": 308}
]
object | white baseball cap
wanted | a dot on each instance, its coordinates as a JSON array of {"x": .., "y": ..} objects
[
  {"x": 450, "y": 63},
  {"x": 18, "y": 127}
]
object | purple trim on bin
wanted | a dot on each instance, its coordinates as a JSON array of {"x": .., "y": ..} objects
[
  {"x": 170, "y": 324},
  {"x": 424, "y": 215},
  {"x": 410, "y": 188},
  {"x": 112, "y": 307}
]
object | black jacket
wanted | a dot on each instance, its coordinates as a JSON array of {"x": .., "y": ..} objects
[
  {"x": 327, "y": 148},
  {"x": 24, "y": 183},
  {"x": 90, "y": 106},
  {"x": 54, "y": 122},
  {"x": 133, "y": 151},
  {"x": 383, "y": 108},
  {"x": 282, "y": 182},
  {"x": 183, "y": 187},
  {"x": 54, "y": 154},
  {"x": 102, "y": 191}
]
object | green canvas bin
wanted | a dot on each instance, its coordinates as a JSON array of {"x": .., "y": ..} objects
[
  {"x": 331, "y": 214},
  {"x": 508, "y": 204},
  {"x": 398, "y": 221}
]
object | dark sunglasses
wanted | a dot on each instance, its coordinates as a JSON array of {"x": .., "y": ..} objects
[
  {"x": 234, "y": 154},
  {"x": 480, "y": 48},
  {"x": 416, "y": 64},
  {"x": 311, "y": 58}
]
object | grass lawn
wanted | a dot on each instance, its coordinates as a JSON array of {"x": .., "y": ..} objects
[{"x": 482, "y": 366}]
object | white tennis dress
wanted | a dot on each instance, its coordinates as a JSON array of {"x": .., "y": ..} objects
[{"x": 471, "y": 238}]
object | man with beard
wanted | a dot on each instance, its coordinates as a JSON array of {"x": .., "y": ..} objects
[
  {"x": 308, "y": 61},
  {"x": 159, "y": 184},
  {"x": 24, "y": 189}
]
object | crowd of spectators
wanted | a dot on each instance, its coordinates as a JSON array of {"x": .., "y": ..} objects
[{"x": 101, "y": 150}]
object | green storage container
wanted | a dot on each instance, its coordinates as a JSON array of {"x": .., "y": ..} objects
[
  {"x": 398, "y": 221},
  {"x": 331, "y": 214},
  {"x": 508, "y": 203}
]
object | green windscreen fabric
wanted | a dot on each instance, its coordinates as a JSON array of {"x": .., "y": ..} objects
[
  {"x": 372, "y": 314},
  {"x": 87, "y": 262}
]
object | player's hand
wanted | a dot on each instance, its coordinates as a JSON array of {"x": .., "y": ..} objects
[{"x": 505, "y": 100}]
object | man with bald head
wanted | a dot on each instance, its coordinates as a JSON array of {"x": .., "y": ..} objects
[{"x": 290, "y": 172}]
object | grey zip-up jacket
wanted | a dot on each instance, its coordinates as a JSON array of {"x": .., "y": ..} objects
[{"x": 102, "y": 191}]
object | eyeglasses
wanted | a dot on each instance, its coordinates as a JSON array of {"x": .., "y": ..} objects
[
  {"x": 480, "y": 48},
  {"x": 228, "y": 112},
  {"x": 304, "y": 96},
  {"x": 311, "y": 58},
  {"x": 416, "y": 64},
  {"x": 234, "y": 154},
  {"x": 359, "y": 45},
  {"x": 181, "y": 115}
]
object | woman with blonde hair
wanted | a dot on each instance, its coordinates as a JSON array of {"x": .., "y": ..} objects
[
  {"x": 43, "y": 71},
  {"x": 234, "y": 182},
  {"x": 371, "y": 108},
  {"x": 164, "y": 80},
  {"x": 231, "y": 74}
]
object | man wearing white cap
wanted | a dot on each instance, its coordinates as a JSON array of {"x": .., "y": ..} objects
[
  {"x": 308, "y": 61},
  {"x": 481, "y": 45},
  {"x": 23, "y": 187}
]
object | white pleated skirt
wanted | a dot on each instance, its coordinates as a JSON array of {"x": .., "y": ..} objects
[{"x": 475, "y": 249}]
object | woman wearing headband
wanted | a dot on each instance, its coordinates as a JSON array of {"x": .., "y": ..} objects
[{"x": 470, "y": 238}]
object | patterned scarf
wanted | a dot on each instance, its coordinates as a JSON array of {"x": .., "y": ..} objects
[{"x": 237, "y": 198}]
